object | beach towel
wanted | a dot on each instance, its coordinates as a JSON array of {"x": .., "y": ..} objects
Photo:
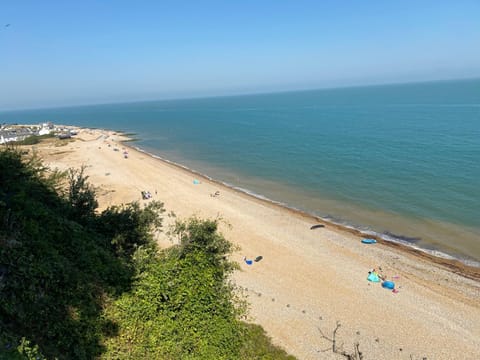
[{"x": 373, "y": 277}]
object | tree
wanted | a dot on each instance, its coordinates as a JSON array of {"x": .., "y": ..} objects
[
  {"x": 81, "y": 195},
  {"x": 129, "y": 226},
  {"x": 203, "y": 235}
]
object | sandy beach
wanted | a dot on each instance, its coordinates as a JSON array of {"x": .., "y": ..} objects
[{"x": 308, "y": 279}]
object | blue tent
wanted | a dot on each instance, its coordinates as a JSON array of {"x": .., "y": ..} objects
[{"x": 388, "y": 285}]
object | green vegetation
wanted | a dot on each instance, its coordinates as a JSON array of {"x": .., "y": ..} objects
[
  {"x": 54, "y": 270},
  {"x": 76, "y": 284},
  {"x": 34, "y": 139}
]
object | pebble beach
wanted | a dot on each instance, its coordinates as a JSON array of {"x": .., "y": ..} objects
[{"x": 308, "y": 280}]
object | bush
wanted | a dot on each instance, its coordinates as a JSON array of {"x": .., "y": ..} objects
[
  {"x": 34, "y": 139},
  {"x": 55, "y": 272},
  {"x": 79, "y": 285},
  {"x": 202, "y": 235},
  {"x": 130, "y": 227},
  {"x": 80, "y": 196},
  {"x": 182, "y": 305}
]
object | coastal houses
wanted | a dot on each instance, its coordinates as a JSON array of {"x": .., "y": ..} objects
[
  {"x": 15, "y": 134},
  {"x": 12, "y": 133}
]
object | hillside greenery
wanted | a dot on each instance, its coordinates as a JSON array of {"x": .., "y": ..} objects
[
  {"x": 79, "y": 284},
  {"x": 34, "y": 139}
]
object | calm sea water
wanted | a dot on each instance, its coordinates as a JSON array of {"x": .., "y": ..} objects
[{"x": 403, "y": 160}]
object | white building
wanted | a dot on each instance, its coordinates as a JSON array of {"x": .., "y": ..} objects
[
  {"x": 7, "y": 137},
  {"x": 45, "y": 128}
]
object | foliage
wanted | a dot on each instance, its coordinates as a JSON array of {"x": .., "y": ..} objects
[
  {"x": 129, "y": 227},
  {"x": 197, "y": 234},
  {"x": 55, "y": 272},
  {"x": 81, "y": 196},
  {"x": 34, "y": 139},
  {"x": 257, "y": 345},
  {"x": 175, "y": 312},
  {"x": 182, "y": 305},
  {"x": 75, "y": 284},
  {"x": 28, "y": 351}
]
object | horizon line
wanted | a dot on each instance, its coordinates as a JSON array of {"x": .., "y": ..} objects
[{"x": 240, "y": 94}]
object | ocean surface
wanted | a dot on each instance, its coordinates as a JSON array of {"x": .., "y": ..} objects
[{"x": 399, "y": 160}]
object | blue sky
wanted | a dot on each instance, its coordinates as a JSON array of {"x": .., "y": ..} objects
[{"x": 79, "y": 52}]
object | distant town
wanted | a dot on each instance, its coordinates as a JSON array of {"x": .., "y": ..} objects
[{"x": 12, "y": 133}]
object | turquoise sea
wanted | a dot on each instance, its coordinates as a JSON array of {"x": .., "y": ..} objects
[{"x": 400, "y": 160}]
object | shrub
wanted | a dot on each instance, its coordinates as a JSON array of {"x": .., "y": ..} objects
[
  {"x": 55, "y": 272},
  {"x": 182, "y": 305},
  {"x": 129, "y": 227},
  {"x": 81, "y": 285},
  {"x": 34, "y": 139},
  {"x": 80, "y": 196}
]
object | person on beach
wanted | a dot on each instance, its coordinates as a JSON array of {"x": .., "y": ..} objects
[{"x": 378, "y": 273}]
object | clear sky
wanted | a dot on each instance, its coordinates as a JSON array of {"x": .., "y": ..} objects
[{"x": 78, "y": 52}]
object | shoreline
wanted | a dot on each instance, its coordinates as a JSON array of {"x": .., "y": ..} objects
[
  {"x": 465, "y": 267},
  {"x": 307, "y": 279}
]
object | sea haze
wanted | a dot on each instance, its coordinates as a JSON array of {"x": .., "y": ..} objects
[{"x": 397, "y": 159}]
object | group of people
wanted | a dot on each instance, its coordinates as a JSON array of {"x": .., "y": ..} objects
[{"x": 378, "y": 276}]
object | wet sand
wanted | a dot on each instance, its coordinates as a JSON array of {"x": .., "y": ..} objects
[{"x": 307, "y": 279}]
